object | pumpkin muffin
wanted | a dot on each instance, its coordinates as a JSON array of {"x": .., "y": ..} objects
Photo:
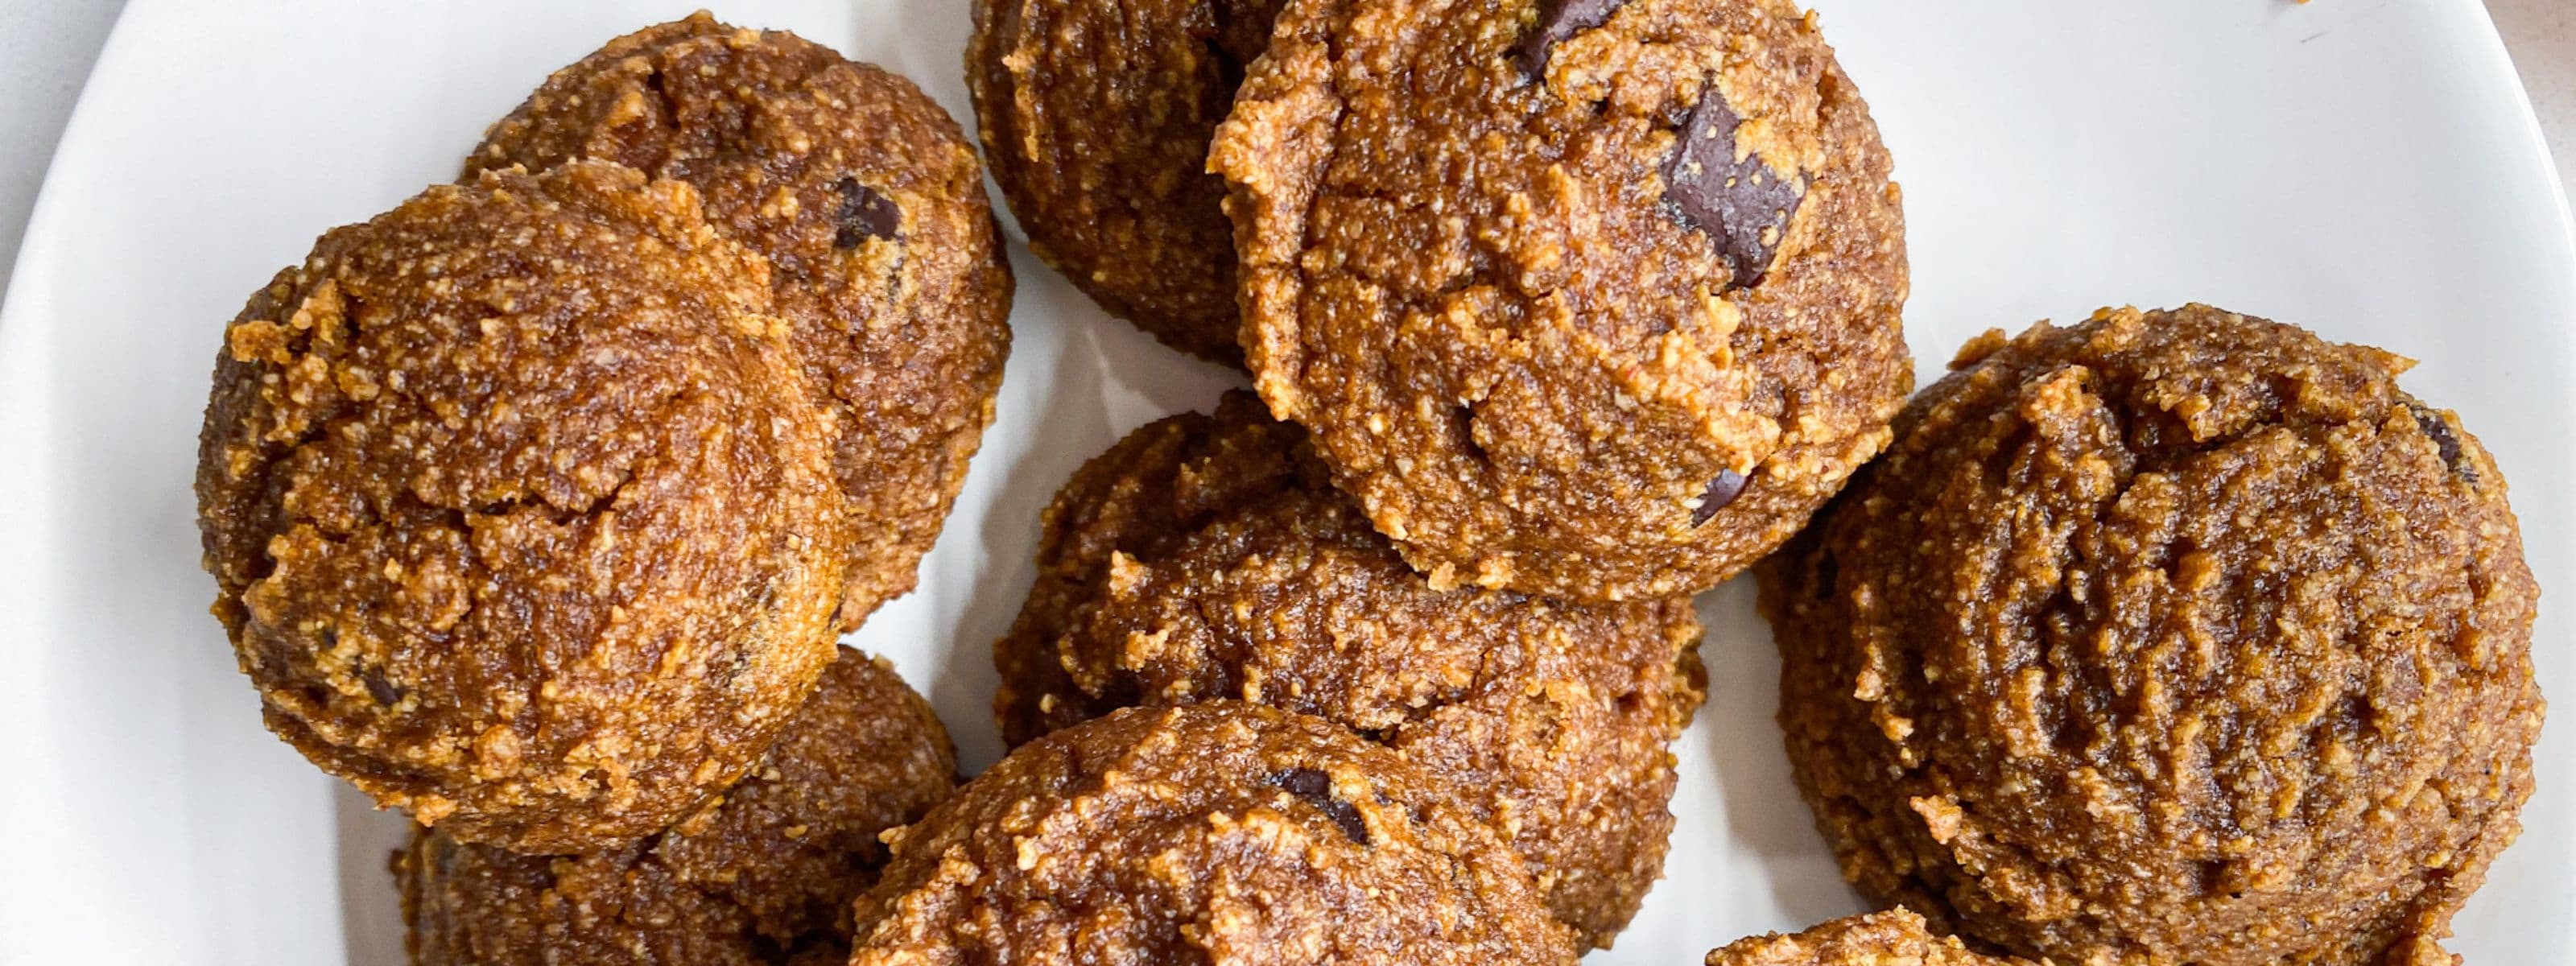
[
  {"x": 1219, "y": 833},
  {"x": 1892, "y": 938},
  {"x": 867, "y": 201},
  {"x": 2171, "y": 637},
  {"x": 1096, "y": 115},
  {"x": 520, "y": 510},
  {"x": 1207, "y": 557},
  {"x": 1596, "y": 299},
  {"x": 762, "y": 876}
]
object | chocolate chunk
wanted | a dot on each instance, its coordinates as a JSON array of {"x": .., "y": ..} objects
[
  {"x": 2448, "y": 442},
  {"x": 1558, "y": 20},
  {"x": 1316, "y": 788},
  {"x": 1742, "y": 204},
  {"x": 378, "y": 688},
  {"x": 1721, "y": 491},
  {"x": 864, "y": 214}
]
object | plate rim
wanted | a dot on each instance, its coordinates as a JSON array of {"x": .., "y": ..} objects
[{"x": 29, "y": 496}]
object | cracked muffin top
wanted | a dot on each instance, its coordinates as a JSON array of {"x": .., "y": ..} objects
[
  {"x": 867, "y": 201},
  {"x": 1096, "y": 115},
  {"x": 519, "y": 509},
  {"x": 1217, "y": 833},
  {"x": 1206, "y": 556},
  {"x": 1585, "y": 298},
  {"x": 2164, "y": 638},
  {"x": 761, "y": 876}
]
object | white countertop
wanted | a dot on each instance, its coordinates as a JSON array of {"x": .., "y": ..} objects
[{"x": 47, "y": 46}]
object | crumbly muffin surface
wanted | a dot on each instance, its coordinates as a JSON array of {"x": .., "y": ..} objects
[
  {"x": 763, "y": 876},
  {"x": 867, "y": 201},
  {"x": 527, "y": 539},
  {"x": 2173, "y": 637},
  {"x": 1096, "y": 117},
  {"x": 1891, "y": 938},
  {"x": 1595, "y": 300},
  {"x": 1218, "y": 833},
  {"x": 1206, "y": 557}
]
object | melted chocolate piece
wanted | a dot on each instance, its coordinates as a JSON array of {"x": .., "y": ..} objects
[
  {"x": 2447, "y": 441},
  {"x": 1744, "y": 205},
  {"x": 1316, "y": 788},
  {"x": 1558, "y": 20},
  {"x": 1721, "y": 491},
  {"x": 864, "y": 214},
  {"x": 378, "y": 688}
]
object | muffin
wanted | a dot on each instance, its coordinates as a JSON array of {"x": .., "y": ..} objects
[
  {"x": 1207, "y": 557},
  {"x": 763, "y": 876},
  {"x": 519, "y": 508},
  {"x": 1096, "y": 115},
  {"x": 1592, "y": 300},
  {"x": 869, "y": 205},
  {"x": 1892, "y": 938},
  {"x": 1218, "y": 833},
  {"x": 2172, "y": 637}
]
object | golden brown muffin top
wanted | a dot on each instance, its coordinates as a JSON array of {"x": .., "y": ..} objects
[
  {"x": 2171, "y": 637},
  {"x": 1596, "y": 300},
  {"x": 867, "y": 201},
  {"x": 519, "y": 508},
  {"x": 761, "y": 876},
  {"x": 1218, "y": 833},
  {"x": 1895, "y": 937},
  {"x": 1554, "y": 718},
  {"x": 1096, "y": 119}
]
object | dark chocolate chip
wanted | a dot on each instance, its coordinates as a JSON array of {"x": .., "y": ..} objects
[
  {"x": 1721, "y": 491},
  {"x": 378, "y": 688},
  {"x": 1744, "y": 205},
  {"x": 864, "y": 214},
  {"x": 2445, "y": 440},
  {"x": 1557, "y": 21},
  {"x": 1316, "y": 789}
]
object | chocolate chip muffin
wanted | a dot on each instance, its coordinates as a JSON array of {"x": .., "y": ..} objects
[
  {"x": 1219, "y": 833},
  {"x": 2173, "y": 637},
  {"x": 867, "y": 201},
  {"x": 1586, "y": 298},
  {"x": 1096, "y": 115},
  {"x": 1208, "y": 557},
  {"x": 520, "y": 510},
  {"x": 1892, "y": 938},
  {"x": 764, "y": 875}
]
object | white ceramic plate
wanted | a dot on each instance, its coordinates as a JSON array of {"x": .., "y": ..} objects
[{"x": 2368, "y": 168}]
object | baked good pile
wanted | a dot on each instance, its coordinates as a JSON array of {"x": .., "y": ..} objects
[{"x": 536, "y": 506}]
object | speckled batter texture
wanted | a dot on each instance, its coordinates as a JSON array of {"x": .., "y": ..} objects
[
  {"x": 763, "y": 876},
  {"x": 1207, "y": 556},
  {"x": 869, "y": 204},
  {"x": 2179, "y": 637},
  {"x": 1216, "y": 833},
  {"x": 1892, "y": 938},
  {"x": 1096, "y": 115},
  {"x": 530, "y": 539},
  {"x": 1592, "y": 308}
]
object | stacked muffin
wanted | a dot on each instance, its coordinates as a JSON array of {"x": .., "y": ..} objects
[
  {"x": 764, "y": 873},
  {"x": 2166, "y": 638},
  {"x": 1597, "y": 300},
  {"x": 1206, "y": 558},
  {"x": 1454, "y": 535},
  {"x": 536, "y": 503}
]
